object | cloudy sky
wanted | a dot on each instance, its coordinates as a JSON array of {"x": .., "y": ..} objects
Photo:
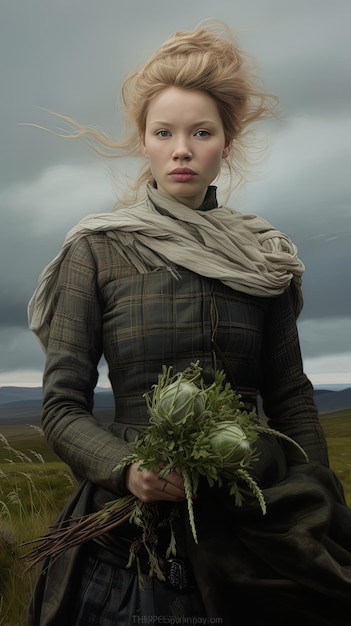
[{"x": 71, "y": 56}]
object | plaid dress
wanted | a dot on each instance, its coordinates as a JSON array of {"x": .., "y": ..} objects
[{"x": 140, "y": 322}]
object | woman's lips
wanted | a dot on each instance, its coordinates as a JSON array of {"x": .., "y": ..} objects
[{"x": 182, "y": 174}]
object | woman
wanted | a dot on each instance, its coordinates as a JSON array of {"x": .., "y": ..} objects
[{"x": 171, "y": 279}]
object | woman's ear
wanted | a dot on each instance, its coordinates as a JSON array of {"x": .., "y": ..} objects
[
  {"x": 142, "y": 145},
  {"x": 227, "y": 148}
]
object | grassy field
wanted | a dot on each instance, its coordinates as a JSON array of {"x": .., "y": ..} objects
[
  {"x": 337, "y": 429},
  {"x": 35, "y": 484}
]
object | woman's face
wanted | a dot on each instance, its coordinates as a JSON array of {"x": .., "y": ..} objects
[{"x": 185, "y": 144}]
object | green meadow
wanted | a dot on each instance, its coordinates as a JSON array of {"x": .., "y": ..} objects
[
  {"x": 35, "y": 484},
  {"x": 337, "y": 429}
]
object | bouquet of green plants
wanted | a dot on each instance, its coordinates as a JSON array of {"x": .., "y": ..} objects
[{"x": 202, "y": 432}]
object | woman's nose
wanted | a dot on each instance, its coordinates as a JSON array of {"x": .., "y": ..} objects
[{"x": 182, "y": 149}]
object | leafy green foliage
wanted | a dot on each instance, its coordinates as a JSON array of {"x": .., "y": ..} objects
[
  {"x": 213, "y": 439},
  {"x": 184, "y": 416}
]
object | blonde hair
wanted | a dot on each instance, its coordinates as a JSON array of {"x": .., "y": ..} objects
[{"x": 208, "y": 59}]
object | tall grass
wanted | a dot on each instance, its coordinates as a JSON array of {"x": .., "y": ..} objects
[
  {"x": 35, "y": 485},
  {"x": 32, "y": 491},
  {"x": 337, "y": 430}
]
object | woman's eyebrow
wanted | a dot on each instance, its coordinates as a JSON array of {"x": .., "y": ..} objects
[{"x": 192, "y": 125}]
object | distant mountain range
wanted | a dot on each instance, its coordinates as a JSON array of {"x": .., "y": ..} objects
[{"x": 21, "y": 405}]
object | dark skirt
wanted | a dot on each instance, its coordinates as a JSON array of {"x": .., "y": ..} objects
[
  {"x": 289, "y": 567},
  {"x": 108, "y": 595},
  {"x": 81, "y": 589}
]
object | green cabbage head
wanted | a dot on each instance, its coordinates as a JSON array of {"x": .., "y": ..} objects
[
  {"x": 230, "y": 444},
  {"x": 180, "y": 400}
]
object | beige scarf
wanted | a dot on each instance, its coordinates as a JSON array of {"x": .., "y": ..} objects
[{"x": 243, "y": 251}]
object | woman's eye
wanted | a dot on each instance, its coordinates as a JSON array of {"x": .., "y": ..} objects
[
  {"x": 202, "y": 133},
  {"x": 162, "y": 133}
]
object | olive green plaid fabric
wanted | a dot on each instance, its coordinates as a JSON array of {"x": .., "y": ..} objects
[{"x": 143, "y": 321}]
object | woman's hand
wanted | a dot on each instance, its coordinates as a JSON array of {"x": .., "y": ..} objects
[{"x": 149, "y": 487}]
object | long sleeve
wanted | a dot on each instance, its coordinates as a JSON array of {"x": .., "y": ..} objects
[
  {"x": 71, "y": 373},
  {"x": 287, "y": 393}
]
